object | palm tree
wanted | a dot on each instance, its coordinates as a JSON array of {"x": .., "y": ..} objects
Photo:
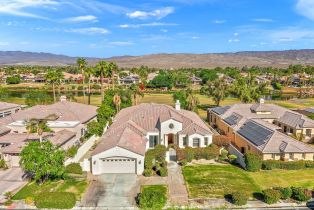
[
  {"x": 112, "y": 70},
  {"x": 102, "y": 67},
  {"x": 136, "y": 93},
  {"x": 218, "y": 90},
  {"x": 192, "y": 101},
  {"x": 88, "y": 73},
  {"x": 117, "y": 102},
  {"x": 37, "y": 126},
  {"x": 54, "y": 77},
  {"x": 82, "y": 63}
]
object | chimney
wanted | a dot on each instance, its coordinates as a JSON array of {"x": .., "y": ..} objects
[
  {"x": 178, "y": 105},
  {"x": 261, "y": 101},
  {"x": 63, "y": 98}
]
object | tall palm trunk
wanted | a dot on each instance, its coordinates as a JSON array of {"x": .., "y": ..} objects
[
  {"x": 54, "y": 92},
  {"x": 112, "y": 80},
  {"x": 83, "y": 83},
  {"x": 89, "y": 91},
  {"x": 102, "y": 86}
]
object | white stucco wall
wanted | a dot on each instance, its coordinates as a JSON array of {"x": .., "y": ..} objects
[
  {"x": 164, "y": 129},
  {"x": 116, "y": 152},
  {"x": 190, "y": 140}
]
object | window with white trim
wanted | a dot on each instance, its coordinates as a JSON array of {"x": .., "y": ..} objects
[
  {"x": 153, "y": 141},
  {"x": 196, "y": 142}
]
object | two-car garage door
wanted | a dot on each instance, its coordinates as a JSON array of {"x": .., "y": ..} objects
[{"x": 120, "y": 165}]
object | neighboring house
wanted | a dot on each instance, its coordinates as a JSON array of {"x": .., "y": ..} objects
[
  {"x": 12, "y": 144},
  {"x": 139, "y": 128},
  {"x": 132, "y": 79},
  {"x": 151, "y": 76},
  {"x": 71, "y": 78},
  {"x": 254, "y": 127},
  {"x": 40, "y": 78},
  {"x": 67, "y": 120},
  {"x": 262, "y": 79},
  {"x": 7, "y": 109},
  {"x": 195, "y": 80}
]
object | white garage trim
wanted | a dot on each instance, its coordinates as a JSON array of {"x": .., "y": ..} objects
[{"x": 99, "y": 167}]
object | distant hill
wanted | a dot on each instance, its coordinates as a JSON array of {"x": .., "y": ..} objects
[{"x": 168, "y": 61}]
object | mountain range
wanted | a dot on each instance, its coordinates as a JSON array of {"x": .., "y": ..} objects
[{"x": 171, "y": 61}]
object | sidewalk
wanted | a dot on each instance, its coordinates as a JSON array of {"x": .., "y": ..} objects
[{"x": 177, "y": 190}]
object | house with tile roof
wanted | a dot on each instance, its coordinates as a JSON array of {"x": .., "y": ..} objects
[
  {"x": 266, "y": 129},
  {"x": 139, "y": 128},
  {"x": 67, "y": 120},
  {"x": 7, "y": 109}
]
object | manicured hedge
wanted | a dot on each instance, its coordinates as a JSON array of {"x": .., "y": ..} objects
[
  {"x": 301, "y": 194},
  {"x": 253, "y": 162},
  {"x": 154, "y": 162},
  {"x": 285, "y": 192},
  {"x": 74, "y": 168},
  {"x": 271, "y": 196},
  {"x": 152, "y": 197},
  {"x": 56, "y": 200},
  {"x": 239, "y": 198},
  {"x": 189, "y": 153},
  {"x": 287, "y": 165}
]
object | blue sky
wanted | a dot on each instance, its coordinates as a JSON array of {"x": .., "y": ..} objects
[{"x": 105, "y": 28}]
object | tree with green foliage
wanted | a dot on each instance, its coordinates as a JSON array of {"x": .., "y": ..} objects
[
  {"x": 218, "y": 90},
  {"x": 54, "y": 77},
  {"x": 253, "y": 162},
  {"x": 88, "y": 74},
  {"x": 101, "y": 72},
  {"x": 13, "y": 80},
  {"x": 95, "y": 128},
  {"x": 187, "y": 99},
  {"x": 37, "y": 126},
  {"x": 162, "y": 80},
  {"x": 113, "y": 68},
  {"x": 82, "y": 63},
  {"x": 43, "y": 160},
  {"x": 136, "y": 92}
]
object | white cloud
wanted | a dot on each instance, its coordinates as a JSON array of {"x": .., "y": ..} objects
[
  {"x": 78, "y": 19},
  {"x": 263, "y": 20},
  {"x": 292, "y": 34},
  {"x": 153, "y": 24},
  {"x": 158, "y": 13},
  {"x": 17, "y": 7},
  {"x": 195, "y": 37},
  {"x": 24, "y": 43},
  {"x": 306, "y": 8},
  {"x": 121, "y": 43},
  {"x": 219, "y": 21},
  {"x": 89, "y": 31},
  {"x": 164, "y": 30},
  {"x": 235, "y": 34},
  {"x": 4, "y": 43},
  {"x": 233, "y": 40}
]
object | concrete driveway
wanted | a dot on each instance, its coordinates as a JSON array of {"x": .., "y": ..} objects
[
  {"x": 11, "y": 180},
  {"x": 112, "y": 190}
]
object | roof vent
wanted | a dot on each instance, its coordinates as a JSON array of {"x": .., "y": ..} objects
[
  {"x": 63, "y": 98},
  {"x": 178, "y": 105}
]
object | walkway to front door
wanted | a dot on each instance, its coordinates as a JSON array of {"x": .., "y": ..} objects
[{"x": 172, "y": 155}]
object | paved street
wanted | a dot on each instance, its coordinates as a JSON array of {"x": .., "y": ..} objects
[
  {"x": 11, "y": 180},
  {"x": 112, "y": 190}
]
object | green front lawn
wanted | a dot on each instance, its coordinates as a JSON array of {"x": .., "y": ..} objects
[
  {"x": 70, "y": 185},
  {"x": 216, "y": 181}
]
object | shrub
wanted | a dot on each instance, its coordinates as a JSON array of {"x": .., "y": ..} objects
[
  {"x": 271, "y": 196},
  {"x": 309, "y": 164},
  {"x": 74, "y": 168},
  {"x": 291, "y": 165},
  {"x": 29, "y": 200},
  {"x": 232, "y": 158},
  {"x": 298, "y": 193},
  {"x": 71, "y": 152},
  {"x": 224, "y": 154},
  {"x": 253, "y": 162},
  {"x": 148, "y": 172},
  {"x": 183, "y": 162},
  {"x": 285, "y": 192},
  {"x": 152, "y": 199},
  {"x": 163, "y": 171},
  {"x": 57, "y": 200},
  {"x": 3, "y": 164},
  {"x": 189, "y": 154},
  {"x": 239, "y": 198}
]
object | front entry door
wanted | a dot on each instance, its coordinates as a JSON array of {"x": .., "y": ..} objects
[{"x": 170, "y": 138}]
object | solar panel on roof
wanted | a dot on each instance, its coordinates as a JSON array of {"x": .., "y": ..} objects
[
  {"x": 255, "y": 133},
  {"x": 232, "y": 119},
  {"x": 220, "y": 110}
]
